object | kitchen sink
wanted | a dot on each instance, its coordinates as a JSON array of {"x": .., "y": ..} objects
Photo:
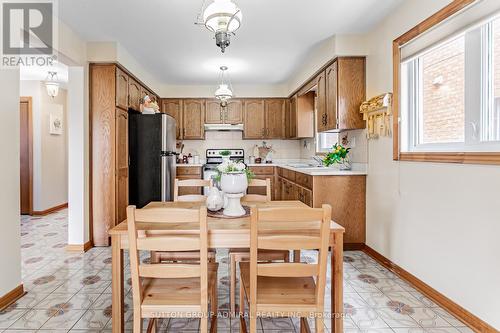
[{"x": 305, "y": 166}]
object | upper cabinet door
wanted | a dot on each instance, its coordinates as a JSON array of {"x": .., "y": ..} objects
[
  {"x": 331, "y": 97},
  {"x": 321, "y": 102},
  {"x": 275, "y": 118},
  {"x": 254, "y": 119},
  {"x": 351, "y": 92},
  {"x": 291, "y": 121},
  {"x": 173, "y": 107},
  {"x": 214, "y": 114},
  {"x": 134, "y": 94},
  {"x": 233, "y": 112},
  {"x": 193, "y": 118},
  {"x": 121, "y": 89}
]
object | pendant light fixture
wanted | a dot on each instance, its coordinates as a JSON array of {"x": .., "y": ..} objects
[
  {"x": 223, "y": 18},
  {"x": 52, "y": 84},
  {"x": 224, "y": 92}
]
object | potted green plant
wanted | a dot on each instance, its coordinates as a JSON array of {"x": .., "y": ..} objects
[{"x": 338, "y": 155}]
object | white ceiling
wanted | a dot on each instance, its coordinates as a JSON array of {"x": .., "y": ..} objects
[
  {"x": 40, "y": 73},
  {"x": 273, "y": 40}
]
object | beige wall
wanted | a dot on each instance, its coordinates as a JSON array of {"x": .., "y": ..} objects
[
  {"x": 440, "y": 222},
  {"x": 10, "y": 234},
  {"x": 50, "y": 159}
]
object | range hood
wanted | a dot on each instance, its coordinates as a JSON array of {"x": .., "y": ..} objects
[{"x": 224, "y": 127}]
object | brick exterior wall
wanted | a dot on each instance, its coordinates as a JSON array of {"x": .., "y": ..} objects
[{"x": 443, "y": 104}]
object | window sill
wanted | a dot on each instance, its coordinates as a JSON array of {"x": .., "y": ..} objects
[{"x": 492, "y": 158}]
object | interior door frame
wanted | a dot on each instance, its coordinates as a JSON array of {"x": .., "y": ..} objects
[{"x": 29, "y": 100}]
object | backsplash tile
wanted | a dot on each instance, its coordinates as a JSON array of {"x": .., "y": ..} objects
[{"x": 284, "y": 149}]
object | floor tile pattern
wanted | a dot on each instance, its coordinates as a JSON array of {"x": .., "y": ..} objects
[{"x": 72, "y": 292}]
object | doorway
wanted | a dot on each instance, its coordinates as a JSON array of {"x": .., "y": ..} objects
[{"x": 26, "y": 155}]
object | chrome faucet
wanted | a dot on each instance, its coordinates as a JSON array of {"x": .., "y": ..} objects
[{"x": 318, "y": 159}]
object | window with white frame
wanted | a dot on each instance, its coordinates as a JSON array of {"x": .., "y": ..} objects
[
  {"x": 450, "y": 93},
  {"x": 325, "y": 141}
]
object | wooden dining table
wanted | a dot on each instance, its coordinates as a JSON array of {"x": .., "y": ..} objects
[{"x": 223, "y": 233}]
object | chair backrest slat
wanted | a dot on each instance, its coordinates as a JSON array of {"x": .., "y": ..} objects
[
  {"x": 169, "y": 271},
  {"x": 287, "y": 269},
  {"x": 290, "y": 214},
  {"x": 164, "y": 215},
  {"x": 199, "y": 183},
  {"x": 170, "y": 243},
  {"x": 266, "y": 183},
  {"x": 289, "y": 242}
]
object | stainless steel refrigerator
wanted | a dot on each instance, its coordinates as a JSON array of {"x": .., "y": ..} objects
[{"x": 152, "y": 158}]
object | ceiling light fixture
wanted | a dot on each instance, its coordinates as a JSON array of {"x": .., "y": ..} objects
[
  {"x": 225, "y": 91},
  {"x": 223, "y": 18},
  {"x": 52, "y": 84}
]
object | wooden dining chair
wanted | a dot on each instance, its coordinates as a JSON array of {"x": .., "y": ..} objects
[
  {"x": 286, "y": 289},
  {"x": 172, "y": 289},
  {"x": 259, "y": 197},
  {"x": 196, "y": 183},
  {"x": 185, "y": 255},
  {"x": 238, "y": 255}
]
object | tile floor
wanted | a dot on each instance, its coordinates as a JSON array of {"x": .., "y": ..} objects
[{"x": 71, "y": 292}]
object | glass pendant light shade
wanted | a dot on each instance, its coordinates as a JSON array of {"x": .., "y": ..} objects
[
  {"x": 52, "y": 85},
  {"x": 223, "y": 93},
  {"x": 222, "y": 15}
]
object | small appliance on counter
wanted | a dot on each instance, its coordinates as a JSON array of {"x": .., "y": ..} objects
[{"x": 214, "y": 158}]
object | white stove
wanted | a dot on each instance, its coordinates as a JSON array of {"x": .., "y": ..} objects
[{"x": 214, "y": 158}]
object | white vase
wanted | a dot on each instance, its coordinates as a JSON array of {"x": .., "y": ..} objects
[
  {"x": 234, "y": 186},
  {"x": 214, "y": 200}
]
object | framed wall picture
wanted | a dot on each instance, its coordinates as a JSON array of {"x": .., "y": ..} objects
[{"x": 56, "y": 123}]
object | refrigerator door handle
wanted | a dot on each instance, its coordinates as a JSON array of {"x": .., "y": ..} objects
[{"x": 163, "y": 178}]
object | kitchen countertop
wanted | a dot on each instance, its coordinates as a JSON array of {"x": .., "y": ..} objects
[
  {"x": 198, "y": 165},
  {"x": 358, "y": 169}
]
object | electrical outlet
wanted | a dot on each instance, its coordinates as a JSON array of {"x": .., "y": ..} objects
[{"x": 353, "y": 142}]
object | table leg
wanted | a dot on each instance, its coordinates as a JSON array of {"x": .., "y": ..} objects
[
  {"x": 117, "y": 285},
  {"x": 337, "y": 267}
]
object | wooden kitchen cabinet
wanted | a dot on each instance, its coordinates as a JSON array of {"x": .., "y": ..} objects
[
  {"x": 321, "y": 102},
  {"x": 111, "y": 88},
  {"x": 173, "y": 107},
  {"x": 254, "y": 119},
  {"x": 341, "y": 89},
  {"x": 351, "y": 81},
  {"x": 275, "y": 118},
  {"x": 214, "y": 113},
  {"x": 291, "y": 118},
  {"x": 346, "y": 194},
  {"x": 233, "y": 112},
  {"x": 189, "y": 172},
  {"x": 122, "y": 170},
  {"x": 193, "y": 118},
  {"x": 121, "y": 89},
  {"x": 134, "y": 94},
  {"x": 302, "y": 116},
  {"x": 331, "y": 96},
  {"x": 264, "y": 118}
]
